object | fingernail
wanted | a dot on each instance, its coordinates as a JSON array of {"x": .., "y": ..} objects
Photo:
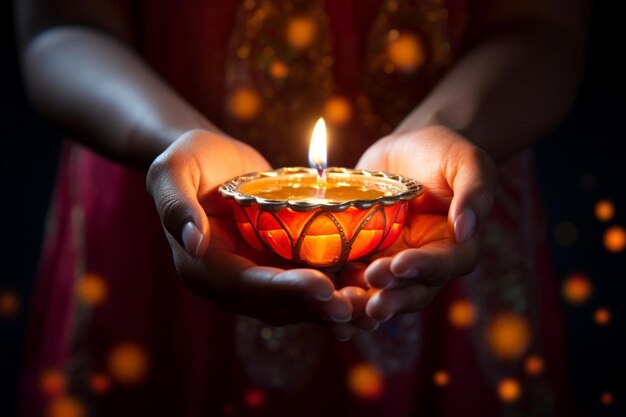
[
  {"x": 339, "y": 318},
  {"x": 387, "y": 318},
  {"x": 192, "y": 238},
  {"x": 409, "y": 273},
  {"x": 344, "y": 338},
  {"x": 464, "y": 225},
  {"x": 373, "y": 329},
  {"x": 391, "y": 285},
  {"x": 324, "y": 297}
]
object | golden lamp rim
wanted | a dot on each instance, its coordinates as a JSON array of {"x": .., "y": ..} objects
[{"x": 230, "y": 190}]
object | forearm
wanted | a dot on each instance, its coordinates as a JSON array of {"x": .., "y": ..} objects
[
  {"x": 507, "y": 90},
  {"x": 99, "y": 92}
]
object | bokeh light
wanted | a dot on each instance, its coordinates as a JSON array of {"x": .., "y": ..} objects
[
  {"x": 441, "y": 378},
  {"x": 604, "y": 210},
  {"x": 509, "y": 390},
  {"x": 65, "y": 407},
  {"x": 365, "y": 381},
  {"x": 254, "y": 398},
  {"x": 128, "y": 363},
  {"x": 533, "y": 365},
  {"x": 99, "y": 383},
  {"x": 337, "y": 111},
  {"x": 301, "y": 32},
  {"x": 9, "y": 303},
  {"x": 565, "y": 233},
  {"x": 462, "y": 313},
  {"x": 508, "y": 336},
  {"x": 405, "y": 51},
  {"x": 615, "y": 239},
  {"x": 576, "y": 289},
  {"x": 606, "y": 398},
  {"x": 244, "y": 104},
  {"x": 602, "y": 316},
  {"x": 52, "y": 382},
  {"x": 92, "y": 289},
  {"x": 279, "y": 69}
]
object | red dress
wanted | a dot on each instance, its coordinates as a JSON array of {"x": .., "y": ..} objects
[{"x": 111, "y": 318}]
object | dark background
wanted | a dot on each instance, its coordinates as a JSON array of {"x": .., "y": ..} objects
[{"x": 580, "y": 163}]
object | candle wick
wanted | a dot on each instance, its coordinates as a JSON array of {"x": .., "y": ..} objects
[{"x": 321, "y": 173}]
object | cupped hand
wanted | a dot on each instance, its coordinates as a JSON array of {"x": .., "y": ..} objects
[
  {"x": 440, "y": 239},
  {"x": 210, "y": 255}
]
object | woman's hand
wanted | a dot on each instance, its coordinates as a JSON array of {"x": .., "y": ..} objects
[
  {"x": 209, "y": 253},
  {"x": 440, "y": 239}
]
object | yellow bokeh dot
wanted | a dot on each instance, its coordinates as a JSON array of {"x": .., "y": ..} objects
[
  {"x": 615, "y": 239},
  {"x": 508, "y": 336},
  {"x": 509, "y": 390},
  {"x": 52, "y": 382},
  {"x": 279, "y": 69},
  {"x": 301, "y": 32},
  {"x": 128, "y": 363},
  {"x": 92, "y": 289},
  {"x": 337, "y": 110},
  {"x": 65, "y": 407},
  {"x": 244, "y": 103},
  {"x": 9, "y": 303},
  {"x": 406, "y": 52},
  {"x": 602, "y": 316},
  {"x": 576, "y": 289},
  {"x": 441, "y": 378},
  {"x": 462, "y": 314},
  {"x": 604, "y": 210},
  {"x": 365, "y": 381},
  {"x": 533, "y": 365}
]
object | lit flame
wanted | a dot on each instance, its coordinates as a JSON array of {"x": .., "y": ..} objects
[{"x": 317, "y": 149}]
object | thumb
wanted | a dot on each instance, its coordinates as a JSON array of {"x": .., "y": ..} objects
[
  {"x": 172, "y": 181},
  {"x": 472, "y": 182}
]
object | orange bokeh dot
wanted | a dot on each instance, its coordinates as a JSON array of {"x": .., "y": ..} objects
[
  {"x": 92, "y": 289},
  {"x": 279, "y": 69},
  {"x": 365, "y": 381},
  {"x": 615, "y": 239},
  {"x": 52, "y": 382},
  {"x": 508, "y": 336},
  {"x": 301, "y": 32},
  {"x": 128, "y": 363},
  {"x": 337, "y": 110},
  {"x": 533, "y": 365},
  {"x": 509, "y": 390},
  {"x": 604, "y": 210},
  {"x": 576, "y": 289},
  {"x": 606, "y": 398},
  {"x": 99, "y": 383},
  {"x": 462, "y": 313},
  {"x": 254, "y": 398},
  {"x": 602, "y": 316},
  {"x": 244, "y": 103},
  {"x": 406, "y": 52},
  {"x": 65, "y": 407},
  {"x": 9, "y": 303},
  {"x": 441, "y": 378}
]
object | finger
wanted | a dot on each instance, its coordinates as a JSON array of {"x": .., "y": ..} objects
[
  {"x": 344, "y": 332},
  {"x": 387, "y": 303},
  {"x": 435, "y": 263},
  {"x": 358, "y": 298},
  {"x": 378, "y": 274},
  {"x": 338, "y": 309},
  {"x": 173, "y": 184},
  {"x": 471, "y": 175},
  {"x": 366, "y": 323}
]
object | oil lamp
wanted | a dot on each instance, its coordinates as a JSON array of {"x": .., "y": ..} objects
[{"x": 320, "y": 216}]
